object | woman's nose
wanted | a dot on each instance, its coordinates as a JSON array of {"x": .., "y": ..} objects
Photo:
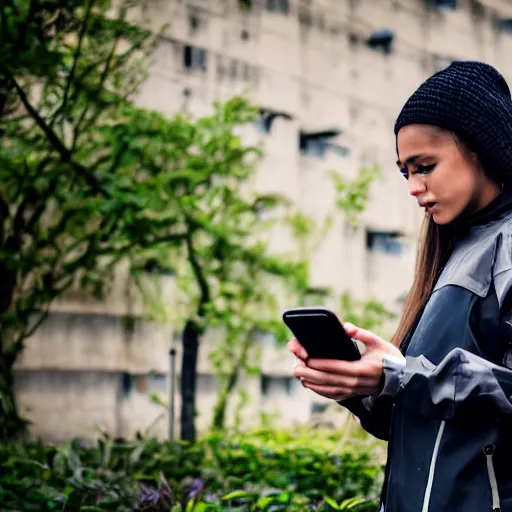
[{"x": 416, "y": 186}]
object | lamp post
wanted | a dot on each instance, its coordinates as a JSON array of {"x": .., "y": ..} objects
[{"x": 172, "y": 354}]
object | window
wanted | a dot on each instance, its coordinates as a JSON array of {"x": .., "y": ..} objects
[
  {"x": 318, "y": 143},
  {"x": 264, "y": 213},
  {"x": 233, "y": 69},
  {"x": 384, "y": 242},
  {"x": 381, "y": 40},
  {"x": 157, "y": 383},
  {"x": 288, "y": 384},
  {"x": 312, "y": 146},
  {"x": 269, "y": 384},
  {"x": 222, "y": 67},
  {"x": 141, "y": 383},
  {"x": 207, "y": 382},
  {"x": 264, "y": 384},
  {"x": 318, "y": 408},
  {"x": 194, "y": 57},
  {"x": 126, "y": 384},
  {"x": 505, "y": 25},
  {"x": 446, "y": 4},
  {"x": 267, "y": 117},
  {"x": 280, "y": 6}
]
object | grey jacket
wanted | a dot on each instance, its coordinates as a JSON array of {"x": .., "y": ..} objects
[{"x": 447, "y": 408}]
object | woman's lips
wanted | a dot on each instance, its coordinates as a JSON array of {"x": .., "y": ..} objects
[{"x": 429, "y": 206}]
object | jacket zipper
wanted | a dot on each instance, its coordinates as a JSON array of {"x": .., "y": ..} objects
[
  {"x": 432, "y": 469},
  {"x": 489, "y": 452}
]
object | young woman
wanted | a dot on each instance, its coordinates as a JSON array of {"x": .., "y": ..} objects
[{"x": 441, "y": 392}]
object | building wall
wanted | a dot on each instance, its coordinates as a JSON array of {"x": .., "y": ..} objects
[{"x": 313, "y": 63}]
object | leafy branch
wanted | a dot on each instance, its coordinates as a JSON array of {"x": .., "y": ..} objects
[{"x": 353, "y": 196}]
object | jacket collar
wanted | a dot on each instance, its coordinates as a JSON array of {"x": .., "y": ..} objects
[{"x": 495, "y": 210}]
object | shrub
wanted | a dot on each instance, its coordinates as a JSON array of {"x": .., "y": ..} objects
[{"x": 262, "y": 470}]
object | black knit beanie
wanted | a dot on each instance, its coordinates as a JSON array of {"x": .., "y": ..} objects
[{"x": 471, "y": 99}]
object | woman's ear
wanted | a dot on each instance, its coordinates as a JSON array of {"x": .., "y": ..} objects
[{"x": 475, "y": 160}]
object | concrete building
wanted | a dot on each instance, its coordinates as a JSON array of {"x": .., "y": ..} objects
[{"x": 332, "y": 75}]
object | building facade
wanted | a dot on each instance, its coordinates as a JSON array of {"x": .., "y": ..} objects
[{"x": 329, "y": 77}]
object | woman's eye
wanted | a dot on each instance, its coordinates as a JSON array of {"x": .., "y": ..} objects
[
  {"x": 424, "y": 169},
  {"x": 404, "y": 173}
]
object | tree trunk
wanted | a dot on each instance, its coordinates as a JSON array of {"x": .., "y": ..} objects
[
  {"x": 190, "y": 342},
  {"x": 219, "y": 416},
  {"x": 11, "y": 424}
]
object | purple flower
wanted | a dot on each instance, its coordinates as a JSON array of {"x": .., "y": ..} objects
[
  {"x": 148, "y": 495},
  {"x": 153, "y": 499},
  {"x": 196, "y": 486}
]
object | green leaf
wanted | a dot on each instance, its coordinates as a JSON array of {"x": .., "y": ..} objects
[
  {"x": 352, "y": 503},
  {"x": 238, "y": 494},
  {"x": 332, "y": 503}
]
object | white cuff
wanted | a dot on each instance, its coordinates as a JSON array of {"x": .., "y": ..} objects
[{"x": 393, "y": 374}]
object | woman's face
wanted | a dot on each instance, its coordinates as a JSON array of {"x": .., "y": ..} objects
[{"x": 447, "y": 180}]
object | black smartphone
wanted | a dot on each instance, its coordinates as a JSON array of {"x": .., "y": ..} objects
[{"x": 320, "y": 332}]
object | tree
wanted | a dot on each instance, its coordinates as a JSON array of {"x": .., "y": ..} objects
[
  {"x": 222, "y": 265},
  {"x": 88, "y": 179},
  {"x": 353, "y": 195},
  {"x": 247, "y": 308},
  {"x": 70, "y": 204}
]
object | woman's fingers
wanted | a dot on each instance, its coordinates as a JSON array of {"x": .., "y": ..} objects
[
  {"x": 351, "y": 368},
  {"x": 297, "y": 349},
  {"x": 337, "y": 392},
  {"x": 370, "y": 365},
  {"x": 334, "y": 379}
]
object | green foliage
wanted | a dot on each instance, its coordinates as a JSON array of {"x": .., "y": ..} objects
[
  {"x": 73, "y": 202},
  {"x": 88, "y": 179},
  {"x": 308, "y": 234},
  {"x": 369, "y": 315},
  {"x": 245, "y": 5},
  {"x": 353, "y": 195},
  {"x": 264, "y": 470}
]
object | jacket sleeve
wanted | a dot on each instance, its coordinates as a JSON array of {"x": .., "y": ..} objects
[
  {"x": 462, "y": 382},
  {"x": 374, "y": 413}
]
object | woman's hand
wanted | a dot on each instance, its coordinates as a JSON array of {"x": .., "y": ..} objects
[{"x": 340, "y": 380}]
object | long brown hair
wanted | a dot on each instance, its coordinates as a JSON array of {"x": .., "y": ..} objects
[{"x": 433, "y": 248}]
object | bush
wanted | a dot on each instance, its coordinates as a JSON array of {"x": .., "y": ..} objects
[{"x": 263, "y": 470}]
